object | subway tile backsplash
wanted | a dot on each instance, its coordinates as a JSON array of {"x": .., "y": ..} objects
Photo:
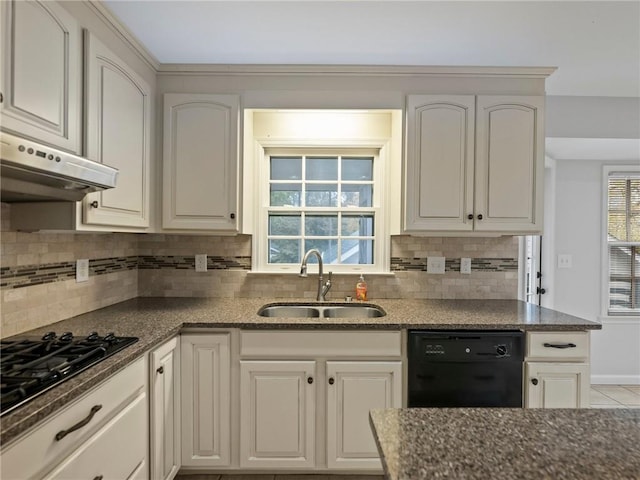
[{"x": 37, "y": 272}]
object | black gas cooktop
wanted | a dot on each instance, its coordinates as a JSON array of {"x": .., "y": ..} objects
[{"x": 30, "y": 365}]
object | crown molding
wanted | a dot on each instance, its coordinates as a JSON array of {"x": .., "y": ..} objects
[
  {"x": 354, "y": 70},
  {"x": 124, "y": 33}
]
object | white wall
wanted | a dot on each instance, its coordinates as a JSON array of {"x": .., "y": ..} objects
[{"x": 615, "y": 350}]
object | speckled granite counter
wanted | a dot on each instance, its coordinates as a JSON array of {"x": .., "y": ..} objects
[
  {"x": 526, "y": 444},
  {"x": 154, "y": 320}
]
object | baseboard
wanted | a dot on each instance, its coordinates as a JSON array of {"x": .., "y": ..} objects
[{"x": 615, "y": 379}]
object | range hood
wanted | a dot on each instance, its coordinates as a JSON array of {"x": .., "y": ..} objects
[{"x": 32, "y": 172}]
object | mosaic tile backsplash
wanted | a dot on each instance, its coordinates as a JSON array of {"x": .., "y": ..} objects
[{"x": 38, "y": 287}]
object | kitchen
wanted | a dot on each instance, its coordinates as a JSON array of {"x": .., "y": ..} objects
[{"x": 164, "y": 260}]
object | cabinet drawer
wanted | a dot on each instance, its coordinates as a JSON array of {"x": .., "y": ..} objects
[
  {"x": 38, "y": 450},
  {"x": 316, "y": 343},
  {"x": 118, "y": 450},
  {"x": 558, "y": 345}
]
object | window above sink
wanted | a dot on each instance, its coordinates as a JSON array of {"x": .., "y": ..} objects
[{"x": 328, "y": 180}]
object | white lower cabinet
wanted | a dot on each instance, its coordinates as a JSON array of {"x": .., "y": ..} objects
[
  {"x": 557, "y": 372},
  {"x": 118, "y": 450},
  {"x": 305, "y": 398},
  {"x": 164, "y": 381},
  {"x": 557, "y": 385},
  {"x": 205, "y": 400},
  {"x": 355, "y": 388},
  {"x": 103, "y": 434},
  {"x": 277, "y": 419}
]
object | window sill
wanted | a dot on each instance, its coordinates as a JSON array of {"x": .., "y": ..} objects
[
  {"x": 619, "y": 319},
  {"x": 325, "y": 273}
]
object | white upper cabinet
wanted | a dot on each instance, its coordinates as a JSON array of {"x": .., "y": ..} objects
[
  {"x": 440, "y": 162},
  {"x": 509, "y": 163},
  {"x": 474, "y": 163},
  {"x": 200, "y": 166},
  {"x": 40, "y": 80},
  {"x": 118, "y": 131}
]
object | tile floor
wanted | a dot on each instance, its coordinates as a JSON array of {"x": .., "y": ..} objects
[
  {"x": 615, "y": 396},
  {"x": 602, "y": 396}
]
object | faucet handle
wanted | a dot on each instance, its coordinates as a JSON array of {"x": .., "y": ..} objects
[{"x": 329, "y": 279}]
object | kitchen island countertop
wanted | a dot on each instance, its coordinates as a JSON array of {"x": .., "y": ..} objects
[
  {"x": 516, "y": 443},
  {"x": 154, "y": 320}
]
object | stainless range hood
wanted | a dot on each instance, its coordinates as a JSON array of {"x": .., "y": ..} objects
[{"x": 31, "y": 172}]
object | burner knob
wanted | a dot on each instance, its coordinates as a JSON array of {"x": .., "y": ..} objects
[
  {"x": 93, "y": 336},
  {"x": 110, "y": 337},
  {"x": 66, "y": 337},
  {"x": 49, "y": 336},
  {"x": 501, "y": 350}
]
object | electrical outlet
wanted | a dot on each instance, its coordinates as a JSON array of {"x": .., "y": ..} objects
[
  {"x": 82, "y": 270},
  {"x": 201, "y": 263},
  {"x": 465, "y": 265},
  {"x": 435, "y": 264},
  {"x": 565, "y": 260}
]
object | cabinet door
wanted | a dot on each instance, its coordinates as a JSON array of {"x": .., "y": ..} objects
[
  {"x": 40, "y": 80},
  {"x": 557, "y": 385},
  {"x": 277, "y": 414},
  {"x": 509, "y": 164},
  {"x": 355, "y": 388},
  {"x": 205, "y": 403},
  {"x": 440, "y": 162},
  {"x": 200, "y": 166},
  {"x": 118, "y": 122},
  {"x": 165, "y": 410}
]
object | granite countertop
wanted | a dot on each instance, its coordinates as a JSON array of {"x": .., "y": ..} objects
[
  {"x": 526, "y": 444},
  {"x": 155, "y": 320}
]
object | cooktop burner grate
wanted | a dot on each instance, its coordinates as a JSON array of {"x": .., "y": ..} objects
[{"x": 30, "y": 366}]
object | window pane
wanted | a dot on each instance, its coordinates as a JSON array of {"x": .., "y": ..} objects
[
  {"x": 328, "y": 249},
  {"x": 325, "y": 168},
  {"x": 285, "y": 194},
  {"x": 357, "y": 169},
  {"x": 322, "y": 195},
  {"x": 620, "y": 281},
  {"x": 634, "y": 228},
  {"x": 356, "y": 195},
  {"x": 358, "y": 252},
  {"x": 617, "y": 226},
  {"x": 357, "y": 225},
  {"x": 286, "y": 168},
  {"x": 284, "y": 251},
  {"x": 284, "y": 224},
  {"x": 321, "y": 225}
]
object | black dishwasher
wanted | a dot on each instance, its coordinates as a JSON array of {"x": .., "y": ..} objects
[{"x": 465, "y": 368}]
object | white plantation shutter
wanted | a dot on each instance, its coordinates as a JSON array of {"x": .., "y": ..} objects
[{"x": 623, "y": 236}]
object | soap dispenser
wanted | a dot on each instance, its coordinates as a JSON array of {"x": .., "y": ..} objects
[{"x": 361, "y": 289}]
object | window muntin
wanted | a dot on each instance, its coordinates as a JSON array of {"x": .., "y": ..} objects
[
  {"x": 623, "y": 243},
  {"x": 327, "y": 202}
]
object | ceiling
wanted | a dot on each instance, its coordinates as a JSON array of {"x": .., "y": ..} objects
[{"x": 595, "y": 45}]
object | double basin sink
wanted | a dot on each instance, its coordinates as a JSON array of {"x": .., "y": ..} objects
[{"x": 301, "y": 310}]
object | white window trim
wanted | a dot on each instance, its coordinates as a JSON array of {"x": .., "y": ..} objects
[
  {"x": 382, "y": 238},
  {"x": 604, "y": 250}
]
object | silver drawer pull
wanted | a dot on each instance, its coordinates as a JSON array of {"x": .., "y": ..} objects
[
  {"x": 560, "y": 345},
  {"x": 63, "y": 433}
]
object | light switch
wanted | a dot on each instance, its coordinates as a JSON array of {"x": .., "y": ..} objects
[
  {"x": 82, "y": 270},
  {"x": 435, "y": 264}
]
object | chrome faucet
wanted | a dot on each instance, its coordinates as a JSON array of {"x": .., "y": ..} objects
[{"x": 323, "y": 289}]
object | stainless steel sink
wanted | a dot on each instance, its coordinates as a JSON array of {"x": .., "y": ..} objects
[
  {"x": 299, "y": 311},
  {"x": 316, "y": 311},
  {"x": 353, "y": 311}
]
